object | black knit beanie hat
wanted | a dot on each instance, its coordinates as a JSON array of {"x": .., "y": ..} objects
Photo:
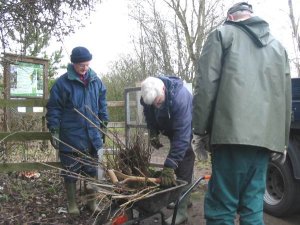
[{"x": 80, "y": 54}]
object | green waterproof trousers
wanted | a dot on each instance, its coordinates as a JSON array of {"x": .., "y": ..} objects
[{"x": 237, "y": 185}]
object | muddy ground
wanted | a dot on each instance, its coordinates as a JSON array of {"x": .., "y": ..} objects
[
  {"x": 40, "y": 201},
  {"x": 37, "y": 201}
]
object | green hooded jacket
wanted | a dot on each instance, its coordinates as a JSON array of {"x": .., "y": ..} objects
[{"x": 242, "y": 92}]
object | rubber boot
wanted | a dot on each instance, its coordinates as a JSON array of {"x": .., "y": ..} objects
[
  {"x": 92, "y": 202},
  {"x": 71, "y": 197},
  {"x": 182, "y": 212}
]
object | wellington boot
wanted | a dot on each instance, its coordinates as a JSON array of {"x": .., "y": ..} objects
[
  {"x": 92, "y": 202},
  {"x": 182, "y": 214},
  {"x": 71, "y": 197}
]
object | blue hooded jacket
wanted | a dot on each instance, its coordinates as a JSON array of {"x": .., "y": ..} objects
[
  {"x": 173, "y": 119},
  {"x": 69, "y": 93}
]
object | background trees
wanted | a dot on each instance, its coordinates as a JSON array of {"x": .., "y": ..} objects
[
  {"x": 169, "y": 37},
  {"x": 171, "y": 34},
  {"x": 28, "y": 25}
]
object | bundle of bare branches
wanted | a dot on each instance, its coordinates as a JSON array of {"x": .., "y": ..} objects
[{"x": 128, "y": 172}]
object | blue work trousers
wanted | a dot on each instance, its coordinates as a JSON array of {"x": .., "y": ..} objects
[{"x": 76, "y": 163}]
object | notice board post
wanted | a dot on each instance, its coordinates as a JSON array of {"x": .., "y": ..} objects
[{"x": 25, "y": 78}]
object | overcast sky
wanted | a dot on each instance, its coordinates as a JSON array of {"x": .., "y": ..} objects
[{"x": 107, "y": 34}]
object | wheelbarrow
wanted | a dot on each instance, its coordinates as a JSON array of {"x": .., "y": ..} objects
[
  {"x": 154, "y": 203},
  {"x": 140, "y": 209},
  {"x": 151, "y": 205}
]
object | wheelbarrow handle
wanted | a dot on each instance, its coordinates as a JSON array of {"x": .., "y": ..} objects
[{"x": 205, "y": 177}]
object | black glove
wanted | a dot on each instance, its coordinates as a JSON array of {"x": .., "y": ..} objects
[
  {"x": 103, "y": 127},
  {"x": 167, "y": 177},
  {"x": 200, "y": 145},
  {"x": 154, "y": 140},
  {"x": 55, "y": 138}
]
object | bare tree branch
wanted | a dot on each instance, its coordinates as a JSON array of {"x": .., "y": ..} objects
[
  {"x": 296, "y": 35},
  {"x": 30, "y": 24}
]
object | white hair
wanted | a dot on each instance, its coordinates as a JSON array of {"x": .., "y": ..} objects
[{"x": 151, "y": 87}]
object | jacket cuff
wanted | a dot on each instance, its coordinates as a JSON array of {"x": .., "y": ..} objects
[
  {"x": 53, "y": 130},
  {"x": 170, "y": 163}
]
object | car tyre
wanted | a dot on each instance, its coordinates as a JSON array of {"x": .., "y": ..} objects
[{"x": 282, "y": 190}]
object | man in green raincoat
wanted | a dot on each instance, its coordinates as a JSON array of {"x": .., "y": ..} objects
[{"x": 242, "y": 105}]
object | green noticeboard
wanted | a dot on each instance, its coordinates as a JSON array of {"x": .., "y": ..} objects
[{"x": 26, "y": 79}]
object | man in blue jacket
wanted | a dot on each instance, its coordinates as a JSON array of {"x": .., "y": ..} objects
[
  {"x": 76, "y": 97},
  {"x": 168, "y": 110}
]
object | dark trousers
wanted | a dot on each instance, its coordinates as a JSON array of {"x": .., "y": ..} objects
[
  {"x": 76, "y": 163},
  {"x": 185, "y": 168},
  {"x": 237, "y": 185}
]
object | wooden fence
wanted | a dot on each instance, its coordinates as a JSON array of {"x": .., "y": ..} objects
[{"x": 44, "y": 135}]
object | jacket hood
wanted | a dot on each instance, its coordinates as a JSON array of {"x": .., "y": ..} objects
[
  {"x": 256, "y": 28},
  {"x": 172, "y": 84}
]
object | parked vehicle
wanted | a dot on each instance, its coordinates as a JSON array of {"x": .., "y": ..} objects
[{"x": 282, "y": 196}]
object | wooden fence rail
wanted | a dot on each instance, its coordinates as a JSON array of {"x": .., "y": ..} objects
[{"x": 40, "y": 136}]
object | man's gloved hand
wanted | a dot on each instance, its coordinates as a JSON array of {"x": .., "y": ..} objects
[
  {"x": 55, "y": 138},
  {"x": 200, "y": 145},
  {"x": 167, "y": 177},
  {"x": 103, "y": 127},
  {"x": 279, "y": 157},
  {"x": 154, "y": 140}
]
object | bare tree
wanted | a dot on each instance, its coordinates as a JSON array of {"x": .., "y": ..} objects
[
  {"x": 29, "y": 24},
  {"x": 152, "y": 44},
  {"x": 296, "y": 36},
  {"x": 172, "y": 38},
  {"x": 202, "y": 20}
]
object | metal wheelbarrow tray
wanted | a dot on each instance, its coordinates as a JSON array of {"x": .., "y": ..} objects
[{"x": 155, "y": 202}]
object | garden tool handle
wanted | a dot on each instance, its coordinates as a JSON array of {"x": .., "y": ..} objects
[
  {"x": 114, "y": 175},
  {"x": 141, "y": 179},
  {"x": 206, "y": 177}
]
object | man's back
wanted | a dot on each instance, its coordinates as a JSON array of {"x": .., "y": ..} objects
[{"x": 252, "y": 73}]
